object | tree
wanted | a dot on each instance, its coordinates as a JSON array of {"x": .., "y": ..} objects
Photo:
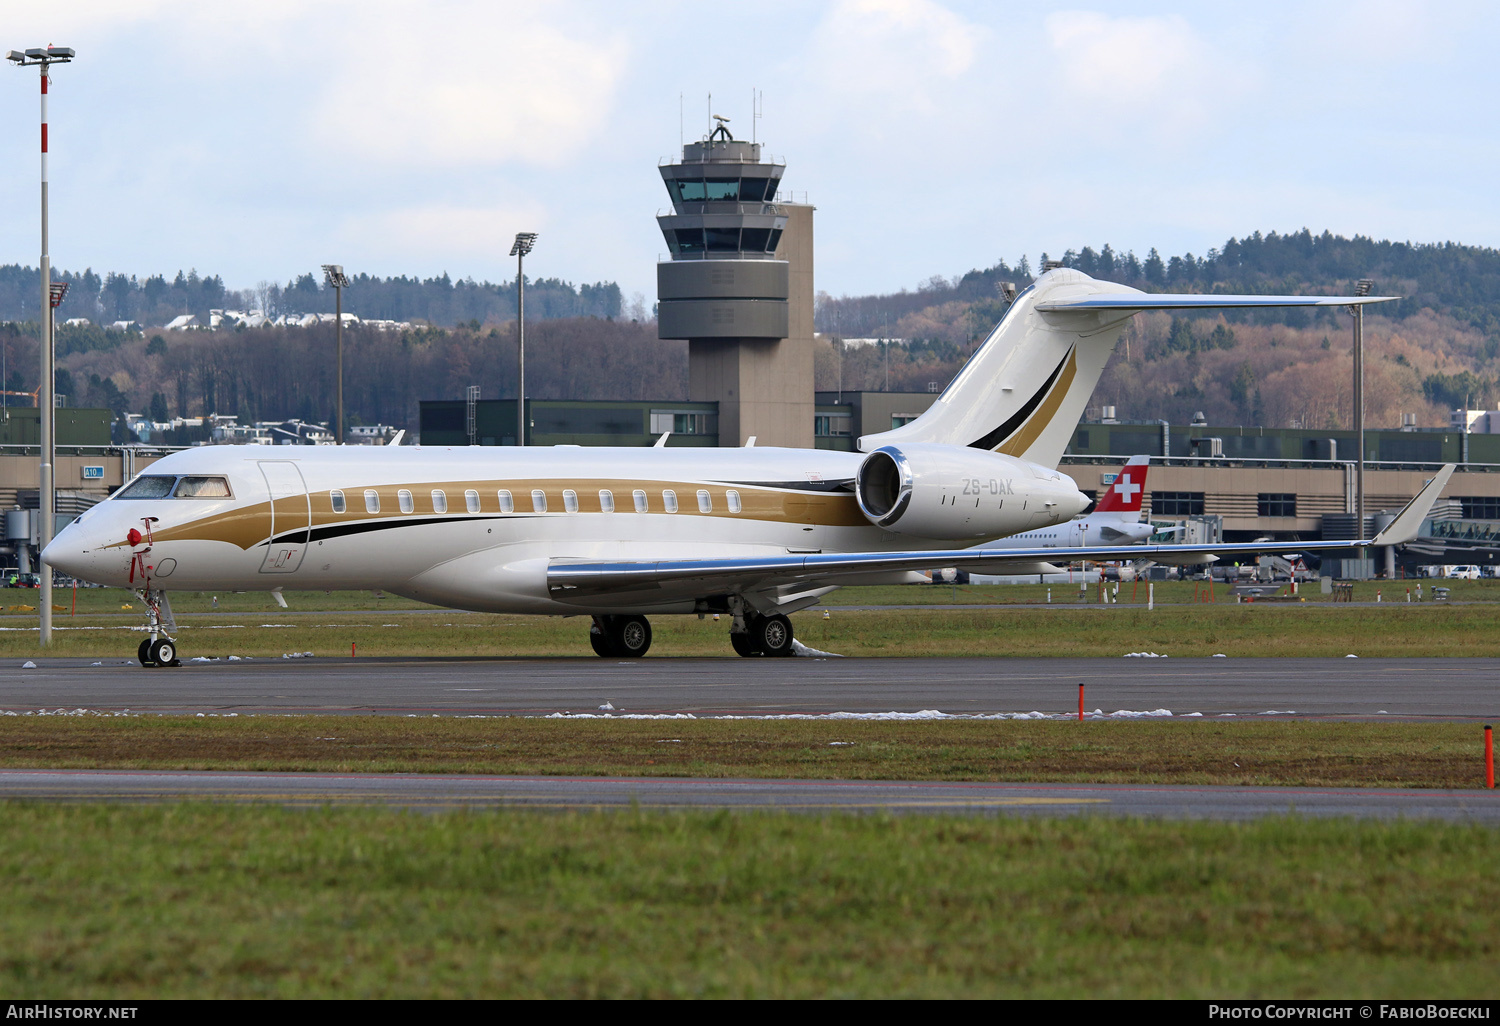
[{"x": 158, "y": 407}]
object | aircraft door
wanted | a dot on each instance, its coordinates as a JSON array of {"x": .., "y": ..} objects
[{"x": 291, "y": 516}]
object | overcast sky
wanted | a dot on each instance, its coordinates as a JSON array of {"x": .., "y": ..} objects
[{"x": 261, "y": 139}]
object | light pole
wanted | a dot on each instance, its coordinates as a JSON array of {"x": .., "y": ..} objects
[
  {"x": 523, "y": 244},
  {"x": 1361, "y": 288},
  {"x": 43, "y": 58},
  {"x": 334, "y": 278}
]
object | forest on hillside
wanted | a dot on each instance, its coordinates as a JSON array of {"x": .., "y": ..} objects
[
  {"x": 273, "y": 373},
  {"x": 155, "y": 300},
  {"x": 1436, "y": 349}
]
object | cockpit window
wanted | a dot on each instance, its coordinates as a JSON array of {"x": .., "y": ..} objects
[
  {"x": 147, "y": 488},
  {"x": 202, "y": 488}
]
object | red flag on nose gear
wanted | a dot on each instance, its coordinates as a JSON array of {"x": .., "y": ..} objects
[{"x": 134, "y": 537}]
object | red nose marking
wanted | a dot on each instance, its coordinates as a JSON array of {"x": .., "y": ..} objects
[{"x": 134, "y": 537}]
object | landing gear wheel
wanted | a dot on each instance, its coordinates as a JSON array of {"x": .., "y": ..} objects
[
  {"x": 163, "y": 652},
  {"x": 772, "y": 634},
  {"x": 632, "y": 636},
  {"x": 599, "y": 640},
  {"x": 144, "y": 652},
  {"x": 743, "y": 644},
  {"x": 614, "y": 637}
]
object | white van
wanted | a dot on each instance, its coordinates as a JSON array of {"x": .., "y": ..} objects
[{"x": 1466, "y": 572}]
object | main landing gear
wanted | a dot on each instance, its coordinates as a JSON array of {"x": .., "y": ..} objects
[
  {"x": 159, "y": 649},
  {"x": 761, "y": 635},
  {"x": 617, "y": 636}
]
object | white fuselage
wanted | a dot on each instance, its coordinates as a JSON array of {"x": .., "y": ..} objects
[{"x": 477, "y": 527}]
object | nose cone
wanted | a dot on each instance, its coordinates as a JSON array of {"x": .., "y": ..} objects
[
  {"x": 79, "y": 551},
  {"x": 1074, "y": 502}
]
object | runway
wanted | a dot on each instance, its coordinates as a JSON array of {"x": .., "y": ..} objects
[
  {"x": 443, "y": 792},
  {"x": 1344, "y": 688}
]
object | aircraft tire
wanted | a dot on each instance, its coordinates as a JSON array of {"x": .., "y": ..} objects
[
  {"x": 163, "y": 652},
  {"x": 773, "y": 635},
  {"x": 743, "y": 644},
  {"x": 599, "y": 640},
  {"x": 631, "y": 636},
  {"x": 143, "y": 653}
]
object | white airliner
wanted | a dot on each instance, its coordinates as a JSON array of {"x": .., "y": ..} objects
[
  {"x": 619, "y": 534},
  {"x": 1116, "y": 519}
]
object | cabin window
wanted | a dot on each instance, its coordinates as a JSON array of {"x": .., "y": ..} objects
[
  {"x": 570, "y": 500},
  {"x": 404, "y": 500},
  {"x": 471, "y": 500},
  {"x": 202, "y": 488},
  {"x": 669, "y": 500},
  {"x": 337, "y": 498},
  {"x": 372, "y": 501},
  {"x": 606, "y": 501},
  {"x": 733, "y": 498},
  {"x": 640, "y": 500},
  {"x": 507, "y": 504},
  {"x": 539, "y": 500},
  {"x": 705, "y": 501},
  {"x": 147, "y": 488},
  {"x": 439, "y": 501}
]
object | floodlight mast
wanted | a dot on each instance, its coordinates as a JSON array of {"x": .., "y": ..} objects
[
  {"x": 1361, "y": 288},
  {"x": 334, "y": 278},
  {"x": 524, "y": 242},
  {"x": 43, "y": 58}
]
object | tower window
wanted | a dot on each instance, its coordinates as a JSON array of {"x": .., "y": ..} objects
[
  {"x": 722, "y": 190},
  {"x": 754, "y": 240},
  {"x": 775, "y": 240},
  {"x": 722, "y": 240},
  {"x": 689, "y": 240},
  {"x": 689, "y": 190},
  {"x": 752, "y": 190}
]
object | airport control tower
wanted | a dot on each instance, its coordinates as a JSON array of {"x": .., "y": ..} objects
[{"x": 739, "y": 288}]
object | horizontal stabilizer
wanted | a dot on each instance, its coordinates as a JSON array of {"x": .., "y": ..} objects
[{"x": 1164, "y": 301}]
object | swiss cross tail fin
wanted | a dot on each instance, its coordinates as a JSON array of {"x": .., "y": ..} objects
[{"x": 1124, "y": 494}]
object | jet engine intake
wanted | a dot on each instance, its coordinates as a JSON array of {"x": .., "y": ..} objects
[{"x": 958, "y": 492}]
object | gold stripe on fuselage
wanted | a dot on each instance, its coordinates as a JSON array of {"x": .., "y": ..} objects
[{"x": 248, "y": 526}]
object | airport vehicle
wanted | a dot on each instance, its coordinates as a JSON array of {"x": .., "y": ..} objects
[
  {"x": 620, "y": 534},
  {"x": 1463, "y": 572}
]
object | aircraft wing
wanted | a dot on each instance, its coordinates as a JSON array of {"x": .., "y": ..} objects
[
  {"x": 586, "y": 580},
  {"x": 1131, "y": 301}
]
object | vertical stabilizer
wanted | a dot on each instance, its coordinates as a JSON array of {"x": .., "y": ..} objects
[{"x": 1025, "y": 388}]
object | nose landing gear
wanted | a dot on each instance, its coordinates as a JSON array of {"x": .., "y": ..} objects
[{"x": 159, "y": 649}]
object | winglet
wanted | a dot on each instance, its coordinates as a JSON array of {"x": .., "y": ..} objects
[
  {"x": 661, "y": 443},
  {"x": 1404, "y": 528}
]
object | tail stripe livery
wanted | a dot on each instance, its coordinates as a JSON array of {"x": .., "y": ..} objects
[{"x": 1016, "y": 434}]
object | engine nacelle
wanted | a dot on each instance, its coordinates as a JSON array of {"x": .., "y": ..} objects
[{"x": 962, "y": 493}]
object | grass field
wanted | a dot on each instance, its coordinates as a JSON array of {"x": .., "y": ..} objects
[
  {"x": 224, "y": 901},
  {"x": 21, "y": 602},
  {"x": 1265, "y": 752},
  {"x": 1430, "y": 629}
]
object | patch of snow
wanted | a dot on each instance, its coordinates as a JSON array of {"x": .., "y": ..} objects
[
  {"x": 607, "y": 707},
  {"x": 1278, "y": 712},
  {"x": 803, "y": 650},
  {"x": 1351, "y": 655},
  {"x": 28, "y": 665},
  {"x": 1145, "y": 655},
  {"x": 1219, "y": 655}
]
